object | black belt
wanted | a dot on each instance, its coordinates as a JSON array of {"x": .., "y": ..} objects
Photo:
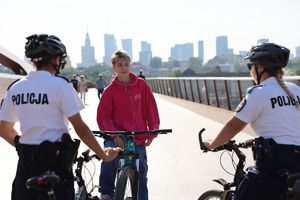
[{"x": 287, "y": 147}]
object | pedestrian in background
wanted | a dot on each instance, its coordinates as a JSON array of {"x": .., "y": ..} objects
[
  {"x": 75, "y": 82},
  {"x": 83, "y": 88},
  {"x": 100, "y": 85},
  {"x": 141, "y": 75}
]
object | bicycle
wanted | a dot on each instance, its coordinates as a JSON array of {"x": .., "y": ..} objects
[
  {"x": 48, "y": 180},
  {"x": 293, "y": 192},
  {"x": 129, "y": 162}
]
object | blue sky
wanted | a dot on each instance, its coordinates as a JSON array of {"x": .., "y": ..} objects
[{"x": 162, "y": 23}]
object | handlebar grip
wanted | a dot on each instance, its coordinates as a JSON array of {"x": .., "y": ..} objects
[
  {"x": 164, "y": 131},
  {"x": 202, "y": 146}
]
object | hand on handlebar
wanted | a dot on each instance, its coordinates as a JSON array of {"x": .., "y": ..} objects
[
  {"x": 119, "y": 142},
  {"x": 148, "y": 142},
  {"x": 111, "y": 153},
  {"x": 207, "y": 145}
]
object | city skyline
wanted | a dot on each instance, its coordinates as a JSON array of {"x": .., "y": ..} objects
[{"x": 161, "y": 23}]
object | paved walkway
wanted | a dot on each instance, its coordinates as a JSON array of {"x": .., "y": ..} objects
[{"x": 178, "y": 170}]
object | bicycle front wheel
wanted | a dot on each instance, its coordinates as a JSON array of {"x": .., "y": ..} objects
[
  {"x": 211, "y": 194},
  {"x": 127, "y": 183}
]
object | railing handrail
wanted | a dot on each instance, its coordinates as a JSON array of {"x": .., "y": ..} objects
[
  {"x": 218, "y": 78},
  {"x": 222, "y": 92}
]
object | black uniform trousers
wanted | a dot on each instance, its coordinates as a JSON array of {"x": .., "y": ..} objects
[
  {"x": 268, "y": 178},
  {"x": 34, "y": 161}
]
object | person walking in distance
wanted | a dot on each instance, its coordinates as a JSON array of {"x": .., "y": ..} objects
[
  {"x": 272, "y": 108},
  {"x": 126, "y": 104},
  {"x": 100, "y": 85},
  {"x": 75, "y": 82},
  {"x": 82, "y": 88},
  {"x": 141, "y": 74},
  {"x": 44, "y": 103}
]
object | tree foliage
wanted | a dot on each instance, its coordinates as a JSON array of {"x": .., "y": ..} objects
[{"x": 156, "y": 62}]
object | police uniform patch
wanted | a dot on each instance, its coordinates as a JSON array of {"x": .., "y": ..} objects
[{"x": 241, "y": 105}]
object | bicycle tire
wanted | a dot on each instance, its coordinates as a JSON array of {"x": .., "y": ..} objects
[
  {"x": 81, "y": 194},
  {"x": 125, "y": 191},
  {"x": 211, "y": 194}
]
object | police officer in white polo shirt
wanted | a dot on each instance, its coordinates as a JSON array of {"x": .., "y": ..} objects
[
  {"x": 272, "y": 109},
  {"x": 43, "y": 103}
]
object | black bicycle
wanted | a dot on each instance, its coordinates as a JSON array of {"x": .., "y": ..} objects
[
  {"x": 47, "y": 181},
  {"x": 126, "y": 186},
  {"x": 293, "y": 192}
]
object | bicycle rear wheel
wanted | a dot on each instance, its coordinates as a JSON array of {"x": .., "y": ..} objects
[
  {"x": 126, "y": 186},
  {"x": 211, "y": 194}
]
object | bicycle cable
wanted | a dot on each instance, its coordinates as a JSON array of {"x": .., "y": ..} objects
[
  {"x": 232, "y": 161},
  {"x": 91, "y": 175}
]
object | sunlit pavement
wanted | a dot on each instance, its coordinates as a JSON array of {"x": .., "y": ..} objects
[{"x": 178, "y": 170}]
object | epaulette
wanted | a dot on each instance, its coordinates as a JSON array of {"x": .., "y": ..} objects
[
  {"x": 252, "y": 88},
  {"x": 12, "y": 83},
  {"x": 66, "y": 79}
]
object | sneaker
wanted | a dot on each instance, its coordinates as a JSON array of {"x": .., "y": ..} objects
[{"x": 105, "y": 197}]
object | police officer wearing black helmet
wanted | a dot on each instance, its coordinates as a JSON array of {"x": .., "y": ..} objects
[
  {"x": 271, "y": 107},
  {"x": 44, "y": 104}
]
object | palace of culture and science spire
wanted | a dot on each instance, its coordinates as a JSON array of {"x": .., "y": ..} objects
[{"x": 87, "y": 53}]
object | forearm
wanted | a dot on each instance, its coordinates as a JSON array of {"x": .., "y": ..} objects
[
  {"x": 231, "y": 128},
  {"x": 89, "y": 139},
  {"x": 8, "y": 133}
]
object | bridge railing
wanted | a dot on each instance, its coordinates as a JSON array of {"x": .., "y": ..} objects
[{"x": 222, "y": 92}]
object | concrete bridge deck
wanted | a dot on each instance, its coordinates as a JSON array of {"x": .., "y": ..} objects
[{"x": 178, "y": 170}]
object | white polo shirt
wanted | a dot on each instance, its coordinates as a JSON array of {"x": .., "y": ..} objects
[
  {"x": 271, "y": 112},
  {"x": 41, "y": 103}
]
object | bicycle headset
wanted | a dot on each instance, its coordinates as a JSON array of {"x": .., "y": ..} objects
[
  {"x": 43, "y": 47},
  {"x": 270, "y": 56}
]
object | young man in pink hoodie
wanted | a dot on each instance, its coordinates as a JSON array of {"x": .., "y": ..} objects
[{"x": 126, "y": 104}]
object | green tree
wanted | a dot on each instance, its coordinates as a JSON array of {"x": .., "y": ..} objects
[
  {"x": 175, "y": 63},
  {"x": 156, "y": 62},
  {"x": 195, "y": 64}
]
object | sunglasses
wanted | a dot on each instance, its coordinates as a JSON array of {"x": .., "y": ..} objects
[{"x": 249, "y": 65}]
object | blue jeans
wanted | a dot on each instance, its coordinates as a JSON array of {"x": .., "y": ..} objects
[{"x": 109, "y": 170}]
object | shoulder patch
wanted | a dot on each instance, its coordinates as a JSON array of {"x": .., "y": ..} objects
[
  {"x": 66, "y": 79},
  {"x": 252, "y": 88},
  {"x": 241, "y": 105},
  {"x": 12, "y": 83}
]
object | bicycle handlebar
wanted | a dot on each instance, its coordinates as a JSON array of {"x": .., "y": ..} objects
[
  {"x": 131, "y": 133},
  {"x": 231, "y": 145},
  {"x": 87, "y": 157}
]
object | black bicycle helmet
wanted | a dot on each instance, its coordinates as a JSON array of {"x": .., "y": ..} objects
[
  {"x": 43, "y": 46},
  {"x": 269, "y": 55}
]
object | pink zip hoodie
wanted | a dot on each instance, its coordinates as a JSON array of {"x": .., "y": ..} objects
[{"x": 130, "y": 107}]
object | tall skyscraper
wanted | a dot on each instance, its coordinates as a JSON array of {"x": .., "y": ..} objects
[
  {"x": 127, "y": 46},
  {"x": 182, "y": 52},
  {"x": 262, "y": 40},
  {"x": 221, "y": 46},
  {"x": 110, "y": 46},
  {"x": 298, "y": 51},
  {"x": 145, "y": 53},
  {"x": 87, "y": 53},
  {"x": 201, "y": 50}
]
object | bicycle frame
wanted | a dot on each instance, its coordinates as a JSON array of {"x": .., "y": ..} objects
[
  {"x": 239, "y": 173},
  {"x": 129, "y": 160}
]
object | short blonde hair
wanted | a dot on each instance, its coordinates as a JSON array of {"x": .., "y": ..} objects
[{"x": 118, "y": 55}]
